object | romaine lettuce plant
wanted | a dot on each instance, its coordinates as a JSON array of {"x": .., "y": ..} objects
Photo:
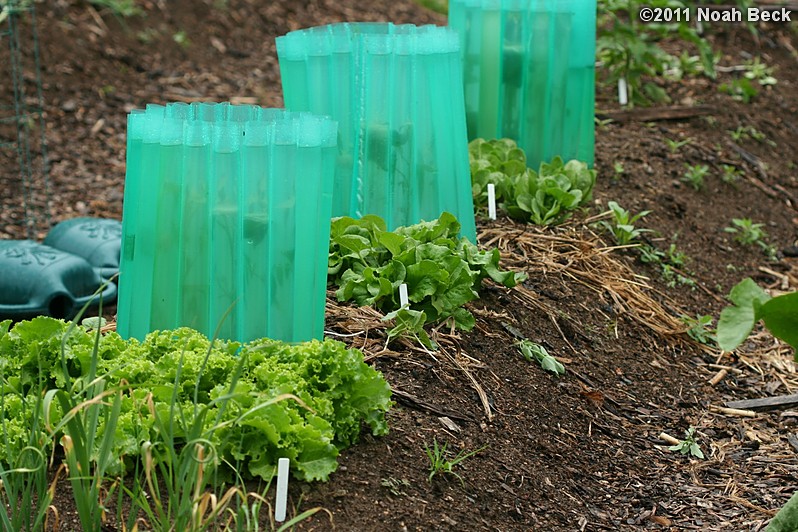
[
  {"x": 548, "y": 196},
  {"x": 497, "y": 162},
  {"x": 545, "y": 197}
]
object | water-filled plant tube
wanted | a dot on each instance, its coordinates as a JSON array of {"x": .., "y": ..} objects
[
  {"x": 396, "y": 92},
  {"x": 226, "y": 221},
  {"x": 529, "y": 73}
]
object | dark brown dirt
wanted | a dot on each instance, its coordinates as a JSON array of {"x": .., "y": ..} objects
[{"x": 582, "y": 452}]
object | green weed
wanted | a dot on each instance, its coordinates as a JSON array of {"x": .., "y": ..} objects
[
  {"x": 688, "y": 445},
  {"x": 700, "y": 328},
  {"x": 440, "y": 464},
  {"x": 675, "y": 145},
  {"x": 740, "y": 89},
  {"x": 748, "y": 233},
  {"x": 694, "y": 175},
  {"x": 731, "y": 174}
]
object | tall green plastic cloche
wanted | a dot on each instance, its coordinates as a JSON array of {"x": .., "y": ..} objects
[
  {"x": 396, "y": 92},
  {"x": 226, "y": 221},
  {"x": 529, "y": 73}
]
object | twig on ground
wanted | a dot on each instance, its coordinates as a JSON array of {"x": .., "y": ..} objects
[{"x": 732, "y": 411}]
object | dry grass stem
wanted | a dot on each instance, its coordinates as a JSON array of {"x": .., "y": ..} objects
[{"x": 579, "y": 256}]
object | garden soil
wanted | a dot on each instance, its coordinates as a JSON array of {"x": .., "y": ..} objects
[{"x": 585, "y": 451}]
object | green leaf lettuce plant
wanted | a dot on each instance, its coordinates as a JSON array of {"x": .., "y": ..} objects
[
  {"x": 177, "y": 387},
  {"x": 494, "y": 161},
  {"x": 442, "y": 272}
]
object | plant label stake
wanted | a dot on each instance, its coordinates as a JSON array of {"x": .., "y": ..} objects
[
  {"x": 623, "y": 96},
  {"x": 282, "y": 490},
  {"x": 491, "y": 201},
  {"x": 403, "y": 301}
]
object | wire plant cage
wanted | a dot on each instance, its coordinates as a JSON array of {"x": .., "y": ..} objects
[{"x": 24, "y": 174}]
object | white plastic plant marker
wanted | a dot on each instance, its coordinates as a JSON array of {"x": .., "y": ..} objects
[
  {"x": 623, "y": 96},
  {"x": 491, "y": 201},
  {"x": 282, "y": 490},
  {"x": 403, "y": 301}
]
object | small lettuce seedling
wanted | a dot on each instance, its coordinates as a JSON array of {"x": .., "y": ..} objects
[
  {"x": 532, "y": 351},
  {"x": 409, "y": 323},
  {"x": 621, "y": 225},
  {"x": 674, "y": 145},
  {"x": 731, "y": 174},
  {"x": 746, "y": 232}
]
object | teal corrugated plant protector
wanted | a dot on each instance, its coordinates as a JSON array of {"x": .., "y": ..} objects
[
  {"x": 226, "y": 221},
  {"x": 396, "y": 92},
  {"x": 529, "y": 74}
]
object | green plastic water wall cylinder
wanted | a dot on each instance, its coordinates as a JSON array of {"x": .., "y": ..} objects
[
  {"x": 226, "y": 221},
  {"x": 529, "y": 73},
  {"x": 396, "y": 92}
]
